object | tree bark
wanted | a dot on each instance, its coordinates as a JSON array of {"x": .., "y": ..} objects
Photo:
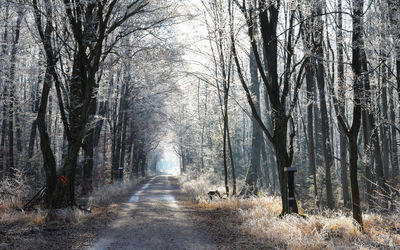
[
  {"x": 253, "y": 170},
  {"x": 368, "y": 158},
  {"x": 394, "y": 9},
  {"x": 3, "y": 135},
  {"x": 3, "y": 164},
  {"x": 352, "y": 133},
  {"x": 35, "y": 108},
  {"x": 310, "y": 130},
  {"x": 265, "y": 163},
  {"x": 374, "y": 131},
  {"x": 394, "y": 152},
  {"x": 118, "y": 133},
  {"x": 11, "y": 85},
  {"x": 328, "y": 159},
  {"x": 224, "y": 149},
  {"x": 385, "y": 118},
  {"x": 18, "y": 133},
  {"x": 49, "y": 162},
  {"x": 342, "y": 109}
]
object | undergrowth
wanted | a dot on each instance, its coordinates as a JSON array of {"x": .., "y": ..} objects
[
  {"x": 15, "y": 192},
  {"x": 324, "y": 230}
]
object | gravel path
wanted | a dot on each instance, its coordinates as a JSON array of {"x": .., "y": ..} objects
[{"x": 153, "y": 219}]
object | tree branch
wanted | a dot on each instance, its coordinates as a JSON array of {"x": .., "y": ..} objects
[
  {"x": 248, "y": 95},
  {"x": 126, "y": 17}
]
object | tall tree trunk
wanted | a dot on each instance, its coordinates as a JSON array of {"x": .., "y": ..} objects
[
  {"x": 232, "y": 163},
  {"x": 91, "y": 141},
  {"x": 123, "y": 140},
  {"x": 283, "y": 162},
  {"x": 310, "y": 130},
  {"x": 311, "y": 100},
  {"x": 143, "y": 164},
  {"x": 342, "y": 108},
  {"x": 11, "y": 84},
  {"x": 3, "y": 164},
  {"x": 328, "y": 159},
  {"x": 394, "y": 153},
  {"x": 18, "y": 133},
  {"x": 203, "y": 124},
  {"x": 3, "y": 158},
  {"x": 118, "y": 133},
  {"x": 88, "y": 148},
  {"x": 318, "y": 133},
  {"x": 224, "y": 149},
  {"x": 268, "y": 152},
  {"x": 352, "y": 133},
  {"x": 355, "y": 193},
  {"x": 374, "y": 132},
  {"x": 384, "y": 116},
  {"x": 49, "y": 162},
  {"x": 368, "y": 157},
  {"x": 183, "y": 159},
  {"x": 35, "y": 108},
  {"x": 135, "y": 161},
  {"x": 244, "y": 154},
  {"x": 396, "y": 170},
  {"x": 394, "y": 9},
  {"x": 265, "y": 166},
  {"x": 253, "y": 170}
]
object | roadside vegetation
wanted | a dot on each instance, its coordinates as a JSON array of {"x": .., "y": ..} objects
[
  {"x": 70, "y": 227},
  {"x": 259, "y": 219}
]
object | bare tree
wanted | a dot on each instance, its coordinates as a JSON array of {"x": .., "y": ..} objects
[
  {"x": 90, "y": 24},
  {"x": 281, "y": 106},
  {"x": 352, "y": 132}
]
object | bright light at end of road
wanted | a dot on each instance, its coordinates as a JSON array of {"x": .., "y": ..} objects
[{"x": 169, "y": 163}]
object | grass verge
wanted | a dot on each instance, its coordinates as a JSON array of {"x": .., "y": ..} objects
[
  {"x": 256, "y": 221},
  {"x": 62, "y": 228}
]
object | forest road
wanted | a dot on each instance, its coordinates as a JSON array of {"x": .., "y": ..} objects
[{"x": 153, "y": 219}]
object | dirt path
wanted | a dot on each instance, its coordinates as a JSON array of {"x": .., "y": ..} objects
[{"x": 154, "y": 219}]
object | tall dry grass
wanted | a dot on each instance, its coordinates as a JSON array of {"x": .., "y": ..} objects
[
  {"x": 13, "y": 193},
  {"x": 326, "y": 230},
  {"x": 14, "y": 190},
  {"x": 197, "y": 185}
]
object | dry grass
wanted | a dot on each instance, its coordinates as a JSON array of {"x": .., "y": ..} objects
[
  {"x": 13, "y": 191},
  {"x": 110, "y": 193},
  {"x": 11, "y": 217},
  {"x": 332, "y": 230},
  {"x": 197, "y": 188},
  {"x": 65, "y": 228}
]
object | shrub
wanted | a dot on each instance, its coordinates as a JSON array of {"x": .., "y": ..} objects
[{"x": 13, "y": 190}]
